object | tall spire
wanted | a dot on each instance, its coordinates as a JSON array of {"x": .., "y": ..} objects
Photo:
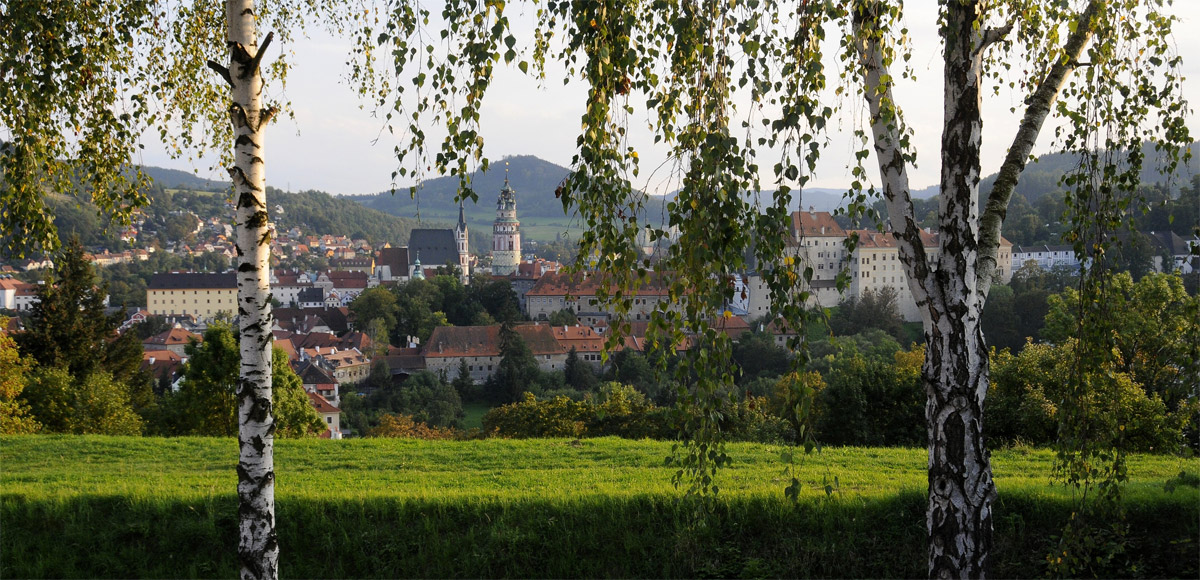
[
  {"x": 462, "y": 217},
  {"x": 505, "y": 175}
]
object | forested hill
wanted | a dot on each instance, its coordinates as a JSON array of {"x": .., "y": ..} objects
[
  {"x": 314, "y": 212},
  {"x": 533, "y": 179},
  {"x": 176, "y": 179},
  {"x": 1041, "y": 176},
  {"x": 318, "y": 213}
]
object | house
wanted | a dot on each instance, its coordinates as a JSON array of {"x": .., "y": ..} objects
[
  {"x": 405, "y": 361},
  {"x": 588, "y": 344},
  {"x": 173, "y": 340},
  {"x": 11, "y": 288},
  {"x": 164, "y": 365},
  {"x": 287, "y": 286},
  {"x": 346, "y": 365},
  {"x": 577, "y": 293},
  {"x": 330, "y": 414},
  {"x": 318, "y": 380},
  {"x": 1046, "y": 257},
  {"x": 526, "y": 275},
  {"x": 364, "y": 265},
  {"x": 392, "y": 265}
]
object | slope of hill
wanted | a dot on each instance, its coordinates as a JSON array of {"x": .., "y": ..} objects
[
  {"x": 540, "y": 211},
  {"x": 319, "y": 213},
  {"x": 1042, "y": 175},
  {"x": 175, "y": 179}
]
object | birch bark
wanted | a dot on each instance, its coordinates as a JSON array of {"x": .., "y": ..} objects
[
  {"x": 258, "y": 546},
  {"x": 951, "y": 287}
]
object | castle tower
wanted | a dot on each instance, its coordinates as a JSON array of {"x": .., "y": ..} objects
[
  {"x": 460, "y": 236},
  {"x": 506, "y": 232}
]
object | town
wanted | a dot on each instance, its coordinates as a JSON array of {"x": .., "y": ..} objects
[{"x": 338, "y": 341}]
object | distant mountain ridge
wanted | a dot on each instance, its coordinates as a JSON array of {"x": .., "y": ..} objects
[
  {"x": 535, "y": 181},
  {"x": 176, "y": 179},
  {"x": 1042, "y": 175}
]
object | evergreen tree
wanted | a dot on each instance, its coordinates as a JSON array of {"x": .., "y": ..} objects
[
  {"x": 578, "y": 373},
  {"x": 68, "y": 327},
  {"x": 518, "y": 370}
]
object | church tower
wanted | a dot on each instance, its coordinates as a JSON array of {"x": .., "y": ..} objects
[
  {"x": 460, "y": 236},
  {"x": 506, "y": 232}
]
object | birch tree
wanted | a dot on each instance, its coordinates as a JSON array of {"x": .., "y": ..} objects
[
  {"x": 732, "y": 91},
  {"x": 84, "y": 79}
]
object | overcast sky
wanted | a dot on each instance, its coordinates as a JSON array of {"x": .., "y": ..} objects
[{"x": 330, "y": 145}]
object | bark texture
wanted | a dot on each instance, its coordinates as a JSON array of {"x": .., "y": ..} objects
[
  {"x": 951, "y": 286},
  {"x": 961, "y": 489},
  {"x": 258, "y": 546}
]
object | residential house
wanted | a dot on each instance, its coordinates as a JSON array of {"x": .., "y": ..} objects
[
  {"x": 317, "y": 379},
  {"x": 329, "y": 413},
  {"x": 173, "y": 340},
  {"x": 577, "y": 293}
]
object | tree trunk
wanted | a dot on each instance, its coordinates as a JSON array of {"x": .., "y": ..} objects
[
  {"x": 955, "y": 373},
  {"x": 961, "y": 490},
  {"x": 258, "y": 546}
]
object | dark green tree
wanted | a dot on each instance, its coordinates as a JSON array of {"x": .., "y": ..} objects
[
  {"x": 68, "y": 327},
  {"x": 518, "y": 370},
  {"x": 564, "y": 317},
  {"x": 464, "y": 385},
  {"x": 206, "y": 402},
  {"x": 876, "y": 308},
  {"x": 758, "y": 357},
  {"x": 578, "y": 374}
]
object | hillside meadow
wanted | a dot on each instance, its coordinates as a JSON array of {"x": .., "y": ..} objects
[{"x": 89, "y": 506}]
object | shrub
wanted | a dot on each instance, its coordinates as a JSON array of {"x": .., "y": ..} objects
[{"x": 405, "y": 427}]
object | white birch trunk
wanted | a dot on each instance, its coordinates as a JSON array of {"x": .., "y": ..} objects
[
  {"x": 952, "y": 294},
  {"x": 955, "y": 372},
  {"x": 258, "y": 546}
]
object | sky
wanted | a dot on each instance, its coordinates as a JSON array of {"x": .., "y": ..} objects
[{"x": 336, "y": 145}]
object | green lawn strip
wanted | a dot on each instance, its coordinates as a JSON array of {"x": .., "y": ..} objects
[
  {"x": 473, "y": 415},
  {"x": 116, "y": 507}
]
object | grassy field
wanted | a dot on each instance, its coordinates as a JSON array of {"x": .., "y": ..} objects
[{"x": 147, "y": 507}]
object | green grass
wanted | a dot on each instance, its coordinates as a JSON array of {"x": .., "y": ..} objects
[
  {"x": 147, "y": 507},
  {"x": 474, "y": 415}
]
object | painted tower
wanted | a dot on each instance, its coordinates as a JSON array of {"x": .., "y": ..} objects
[{"x": 506, "y": 232}]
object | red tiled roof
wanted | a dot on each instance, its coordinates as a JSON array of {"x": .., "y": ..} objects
[
  {"x": 161, "y": 363},
  {"x": 815, "y": 224},
  {"x": 586, "y": 284},
  {"x": 321, "y": 404},
  {"x": 172, "y": 337}
]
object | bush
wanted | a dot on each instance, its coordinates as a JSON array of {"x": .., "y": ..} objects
[
  {"x": 1024, "y": 388},
  {"x": 405, "y": 427},
  {"x": 623, "y": 411}
]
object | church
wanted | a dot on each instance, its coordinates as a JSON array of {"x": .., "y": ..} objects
[{"x": 441, "y": 247}]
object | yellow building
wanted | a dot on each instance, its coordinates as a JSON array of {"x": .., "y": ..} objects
[{"x": 202, "y": 295}]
